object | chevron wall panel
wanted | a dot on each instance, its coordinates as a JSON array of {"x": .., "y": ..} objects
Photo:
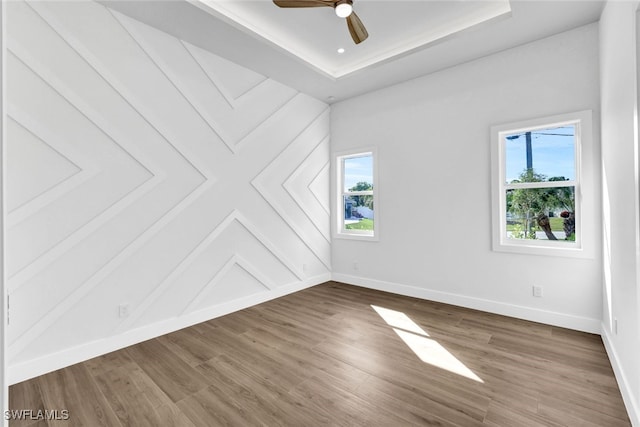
[{"x": 145, "y": 171}]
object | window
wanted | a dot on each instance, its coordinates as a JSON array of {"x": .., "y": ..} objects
[
  {"x": 356, "y": 195},
  {"x": 537, "y": 185}
]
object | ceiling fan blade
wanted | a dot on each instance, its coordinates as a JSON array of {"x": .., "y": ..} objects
[
  {"x": 303, "y": 3},
  {"x": 356, "y": 28}
]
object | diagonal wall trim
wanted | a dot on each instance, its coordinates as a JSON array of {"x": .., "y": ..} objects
[
  {"x": 226, "y": 267},
  {"x": 51, "y": 146},
  {"x": 176, "y": 272},
  {"x": 229, "y": 98},
  {"x": 254, "y": 271},
  {"x": 39, "y": 264},
  {"x": 82, "y": 233},
  {"x": 213, "y": 83},
  {"x": 42, "y": 324},
  {"x": 297, "y": 193},
  {"x": 174, "y": 83},
  {"x": 178, "y": 196},
  {"x": 198, "y": 250},
  {"x": 321, "y": 201},
  {"x": 92, "y": 115},
  {"x": 21, "y": 277},
  {"x": 242, "y": 141},
  {"x": 27, "y": 272},
  {"x": 250, "y": 89},
  {"x": 233, "y": 144},
  {"x": 236, "y": 143},
  {"x": 263, "y": 189},
  {"x": 220, "y": 274},
  {"x": 279, "y": 254},
  {"x": 138, "y": 106},
  {"x": 87, "y": 170}
]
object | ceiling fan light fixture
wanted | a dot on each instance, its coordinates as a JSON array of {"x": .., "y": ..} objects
[{"x": 344, "y": 9}]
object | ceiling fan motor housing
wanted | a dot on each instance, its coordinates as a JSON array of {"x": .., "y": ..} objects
[{"x": 343, "y": 8}]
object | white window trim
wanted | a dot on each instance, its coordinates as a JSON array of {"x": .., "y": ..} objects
[
  {"x": 583, "y": 247},
  {"x": 338, "y": 210}
]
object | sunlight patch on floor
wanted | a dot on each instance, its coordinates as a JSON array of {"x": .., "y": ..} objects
[
  {"x": 398, "y": 319},
  {"x": 427, "y": 349}
]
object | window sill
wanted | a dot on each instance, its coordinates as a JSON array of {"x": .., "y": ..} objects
[
  {"x": 355, "y": 236},
  {"x": 558, "y": 249}
]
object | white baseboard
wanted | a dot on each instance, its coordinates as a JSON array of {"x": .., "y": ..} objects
[
  {"x": 623, "y": 382},
  {"x": 563, "y": 320},
  {"x": 51, "y": 362}
]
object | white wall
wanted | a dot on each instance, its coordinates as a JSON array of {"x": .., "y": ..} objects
[
  {"x": 434, "y": 210},
  {"x": 147, "y": 172},
  {"x": 4, "y": 387},
  {"x": 618, "y": 87}
]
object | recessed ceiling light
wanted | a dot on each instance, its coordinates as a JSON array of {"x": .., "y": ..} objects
[{"x": 341, "y": 50}]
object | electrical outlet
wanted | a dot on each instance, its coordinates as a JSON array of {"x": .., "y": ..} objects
[
  {"x": 537, "y": 291},
  {"x": 615, "y": 325},
  {"x": 304, "y": 268},
  {"x": 355, "y": 265},
  {"x": 123, "y": 310}
]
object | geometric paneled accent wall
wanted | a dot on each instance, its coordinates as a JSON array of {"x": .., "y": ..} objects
[{"x": 146, "y": 172}]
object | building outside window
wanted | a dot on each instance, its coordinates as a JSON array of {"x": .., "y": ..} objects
[
  {"x": 537, "y": 183},
  {"x": 356, "y": 195}
]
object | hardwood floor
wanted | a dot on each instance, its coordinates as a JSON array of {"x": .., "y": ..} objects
[{"x": 341, "y": 355}]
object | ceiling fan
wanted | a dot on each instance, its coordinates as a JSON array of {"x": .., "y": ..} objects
[{"x": 343, "y": 8}]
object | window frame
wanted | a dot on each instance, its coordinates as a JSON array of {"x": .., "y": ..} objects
[
  {"x": 339, "y": 231},
  {"x": 582, "y": 120}
]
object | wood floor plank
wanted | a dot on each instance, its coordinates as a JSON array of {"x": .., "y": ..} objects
[
  {"x": 560, "y": 409},
  {"x": 407, "y": 403},
  {"x": 309, "y": 361},
  {"x": 580, "y": 358},
  {"x": 295, "y": 411},
  {"x": 346, "y": 408},
  {"x": 74, "y": 389},
  {"x": 174, "y": 376},
  {"x": 504, "y": 416},
  {"x": 240, "y": 391},
  {"x": 336, "y": 354},
  {"x": 101, "y": 364},
  {"x": 135, "y": 398},
  {"x": 495, "y": 325},
  {"x": 261, "y": 360},
  {"x": 425, "y": 381},
  {"x": 589, "y": 342},
  {"x": 209, "y": 408},
  {"x": 193, "y": 345},
  {"x": 591, "y": 399},
  {"x": 26, "y": 396}
]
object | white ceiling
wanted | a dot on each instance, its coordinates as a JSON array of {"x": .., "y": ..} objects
[
  {"x": 395, "y": 28},
  {"x": 407, "y": 39}
]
